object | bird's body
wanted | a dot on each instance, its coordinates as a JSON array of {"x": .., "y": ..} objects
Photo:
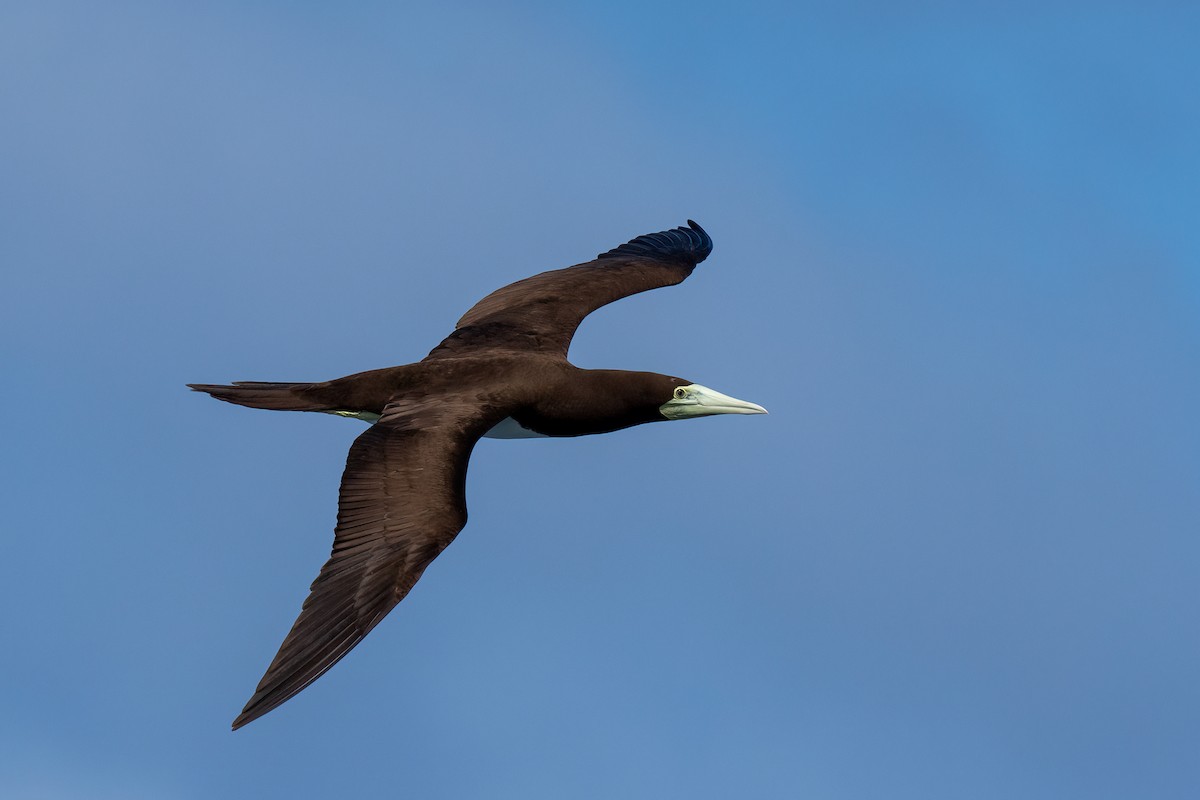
[{"x": 503, "y": 373}]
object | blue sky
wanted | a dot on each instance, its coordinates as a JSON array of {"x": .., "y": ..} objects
[{"x": 956, "y": 257}]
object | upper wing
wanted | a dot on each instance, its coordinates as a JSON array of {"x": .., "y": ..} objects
[
  {"x": 541, "y": 313},
  {"x": 402, "y": 502}
]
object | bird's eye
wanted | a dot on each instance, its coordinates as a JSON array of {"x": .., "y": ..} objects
[{"x": 680, "y": 393}]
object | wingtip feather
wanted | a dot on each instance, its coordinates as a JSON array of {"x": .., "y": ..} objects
[{"x": 691, "y": 245}]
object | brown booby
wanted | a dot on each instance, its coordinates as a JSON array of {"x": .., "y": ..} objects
[{"x": 502, "y": 373}]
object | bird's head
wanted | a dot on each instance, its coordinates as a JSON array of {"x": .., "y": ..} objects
[
  {"x": 613, "y": 399},
  {"x": 687, "y": 400}
]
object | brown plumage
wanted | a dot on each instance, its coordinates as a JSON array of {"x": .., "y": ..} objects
[{"x": 502, "y": 372}]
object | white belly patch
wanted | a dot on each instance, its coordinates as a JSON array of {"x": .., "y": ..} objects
[
  {"x": 365, "y": 416},
  {"x": 509, "y": 428}
]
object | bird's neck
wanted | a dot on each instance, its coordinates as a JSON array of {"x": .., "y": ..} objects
[{"x": 596, "y": 401}]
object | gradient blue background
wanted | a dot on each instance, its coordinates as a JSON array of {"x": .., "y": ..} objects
[{"x": 956, "y": 257}]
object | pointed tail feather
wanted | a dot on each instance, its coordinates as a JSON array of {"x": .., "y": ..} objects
[{"x": 257, "y": 394}]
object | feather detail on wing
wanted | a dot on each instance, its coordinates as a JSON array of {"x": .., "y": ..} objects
[
  {"x": 402, "y": 502},
  {"x": 541, "y": 313}
]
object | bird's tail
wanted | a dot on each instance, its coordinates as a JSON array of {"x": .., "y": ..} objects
[{"x": 273, "y": 396}]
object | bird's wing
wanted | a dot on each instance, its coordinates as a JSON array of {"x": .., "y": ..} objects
[
  {"x": 541, "y": 313},
  {"x": 402, "y": 502}
]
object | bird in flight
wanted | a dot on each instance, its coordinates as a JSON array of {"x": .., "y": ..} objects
[{"x": 502, "y": 373}]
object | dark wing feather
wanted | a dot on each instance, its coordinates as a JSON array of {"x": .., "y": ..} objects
[
  {"x": 542, "y": 313},
  {"x": 402, "y": 502}
]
